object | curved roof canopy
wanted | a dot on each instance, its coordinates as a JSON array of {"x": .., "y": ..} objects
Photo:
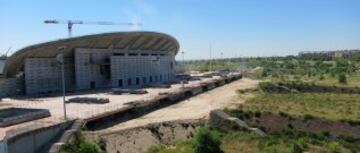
[{"x": 139, "y": 40}]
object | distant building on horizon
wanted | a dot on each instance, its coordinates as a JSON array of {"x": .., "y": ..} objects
[{"x": 337, "y": 53}]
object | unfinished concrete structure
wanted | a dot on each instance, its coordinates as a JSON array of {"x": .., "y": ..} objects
[{"x": 110, "y": 60}]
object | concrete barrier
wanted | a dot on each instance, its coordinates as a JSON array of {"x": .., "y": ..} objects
[
  {"x": 65, "y": 137},
  {"x": 210, "y": 85},
  {"x": 33, "y": 141},
  {"x": 20, "y": 115},
  {"x": 221, "y": 82},
  {"x": 221, "y": 120},
  {"x": 176, "y": 96},
  {"x": 196, "y": 90},
  {"x": 3, "y": 147}
]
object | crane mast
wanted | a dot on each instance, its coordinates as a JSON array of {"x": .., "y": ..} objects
[{"x": 70, "y": 24}]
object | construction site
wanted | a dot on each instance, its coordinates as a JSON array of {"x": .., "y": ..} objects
[
  {"x": 157, "y": 76},
  {"x": 50, "y": 90},
  {"x": 127, "y": 59}
]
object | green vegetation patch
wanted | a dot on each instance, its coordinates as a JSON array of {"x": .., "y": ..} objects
[
  {"x": 242, "y": 141},
  {"x": 180, "y": 147},
  {"x": 80, "y": 145},
  {"x": 322, "y": 71},
  {"x": 332, "y": 106}
]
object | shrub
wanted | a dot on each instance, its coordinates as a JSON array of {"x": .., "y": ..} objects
[
  {"x": 301, "y": 142},
  {"x": 89, "y": 147},
  {"x": 334, "y": 146},
  {"x": 308, "y": 117},
  {"x": 290, "y": 126},
  {"x": 283, "y": 114},
  {"x": 80, "y": 145},
  {"x": 342, "y": 78},
  {"x": 257, "y": 113},
  {"x": 325, "y": 133},
  {"x": 296, "y": 149},
  {"x": 353, "y": 123},
  {"x": 289, "y": 132},
  {"x": 206, "y": 141}
]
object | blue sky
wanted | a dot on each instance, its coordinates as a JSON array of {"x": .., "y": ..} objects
[{"x": 234, "y": 27}]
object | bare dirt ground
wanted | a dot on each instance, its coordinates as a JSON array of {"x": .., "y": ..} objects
[{"x": 196, "y": 107}]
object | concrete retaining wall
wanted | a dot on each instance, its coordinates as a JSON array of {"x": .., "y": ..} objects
[
  {"x": 66, "y": 136},
  {"x": 33, "y": 141},
  {"x": 221, "y": 120},
  {"x": 3, "y": 147}
]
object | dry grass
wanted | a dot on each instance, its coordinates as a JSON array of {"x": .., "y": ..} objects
[
  {"x": 325, "y": 105},
  {"x": 352, "y": 80}
]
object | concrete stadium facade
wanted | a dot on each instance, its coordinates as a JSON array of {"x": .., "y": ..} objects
[{"x": 110, "y": 60}]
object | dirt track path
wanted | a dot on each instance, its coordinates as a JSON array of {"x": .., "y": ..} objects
[{"x": 194, "y": 108}]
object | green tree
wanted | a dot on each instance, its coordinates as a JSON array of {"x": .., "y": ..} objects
[{"x": 206, "y": 141}]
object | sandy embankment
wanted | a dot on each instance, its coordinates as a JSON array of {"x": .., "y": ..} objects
[{"x": 196, "y": 107}]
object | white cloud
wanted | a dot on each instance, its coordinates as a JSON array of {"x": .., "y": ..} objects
[
  {"x": 134, "y": 18},
  {"x": 137, "y": 23},
  {"x": 136, "y": 14}
]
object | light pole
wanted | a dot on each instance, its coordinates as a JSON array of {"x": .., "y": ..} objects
[
  {"x": 183, "y": 59},
  {"x": 60, "y": 60},
  {"x": 183, "y": 56},
  {"x": 222, "y": 61},
  {"x": 183, "y": 65},
  {"x": 210, "y": 50}
]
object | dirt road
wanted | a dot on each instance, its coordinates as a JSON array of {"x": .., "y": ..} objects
[{"x": 194, "y": 108}]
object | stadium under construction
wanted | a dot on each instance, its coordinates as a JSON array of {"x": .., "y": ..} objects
[{"x": 108, "y": 60}]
